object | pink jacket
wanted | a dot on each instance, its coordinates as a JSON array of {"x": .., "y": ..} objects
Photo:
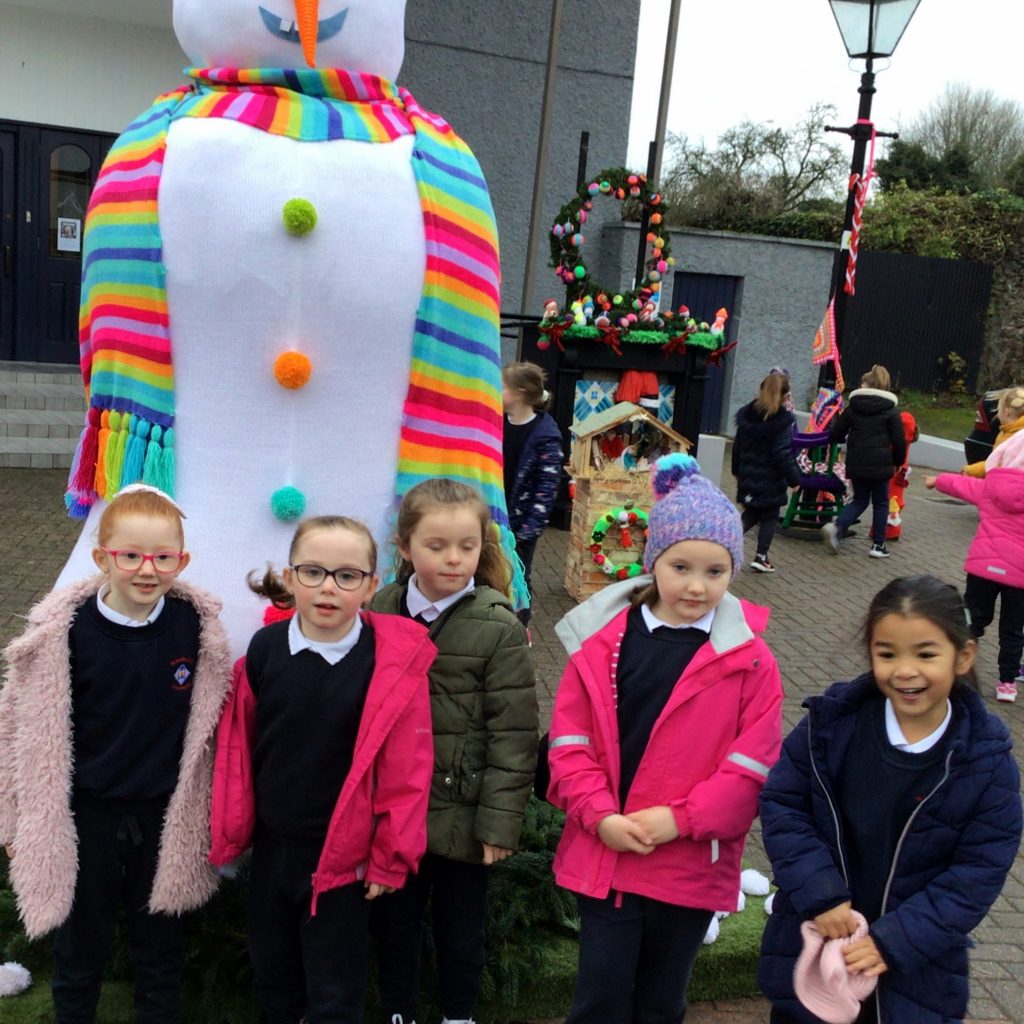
[
  {"x": 997, "y": 551},
  {"x": 708, "y": 756},
  {"x": 37, "y": 769},
  {"x": 378, "y": 830}
]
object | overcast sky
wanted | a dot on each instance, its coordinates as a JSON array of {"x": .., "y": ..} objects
[{"x": 768, "y": 60}]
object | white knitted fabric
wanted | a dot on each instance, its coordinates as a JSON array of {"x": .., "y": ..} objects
[{"x": 241, "y": 291}]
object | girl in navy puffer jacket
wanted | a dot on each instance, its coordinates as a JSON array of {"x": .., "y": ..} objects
[
  {"x": 763, "y": 462},
  {"x": 897, "y": 797}
]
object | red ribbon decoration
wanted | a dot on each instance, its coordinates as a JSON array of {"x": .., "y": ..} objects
[
  {"x": 715, "y": 359},
  {"x": 610, "y": 336},
  {"x": 554, "y": 334},
  {"x": 676, "y": 344}
]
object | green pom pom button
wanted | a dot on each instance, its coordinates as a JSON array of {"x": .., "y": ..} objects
[
  {"x": 299, "y": 217},
  {"x": 288, "y": 503}
]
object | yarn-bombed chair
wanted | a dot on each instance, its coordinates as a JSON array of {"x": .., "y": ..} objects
[{"x": 819, "y": 497}]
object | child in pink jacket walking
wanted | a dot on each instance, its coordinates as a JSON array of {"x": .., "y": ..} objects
[
  {"x": 995, "y": 559},
  {"x": 666, "y": 723},
  {"x": 324, "y": 758}
]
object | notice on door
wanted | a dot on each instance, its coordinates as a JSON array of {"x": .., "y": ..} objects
[{"x": 69, "y": 234}]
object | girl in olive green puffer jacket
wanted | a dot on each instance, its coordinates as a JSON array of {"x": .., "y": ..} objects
[{"x": 451, "y": 578}]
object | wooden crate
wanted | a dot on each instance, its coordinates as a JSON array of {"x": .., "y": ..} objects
[{"x": 595, "y": 495}]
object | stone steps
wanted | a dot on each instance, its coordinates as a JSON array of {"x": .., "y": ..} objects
[{"x": 41, "y": 411}]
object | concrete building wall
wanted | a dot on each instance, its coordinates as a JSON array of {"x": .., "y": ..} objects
[
  {"x": 72, "y": 71},
  {"x": 783, "y": 292},
  {"x": 96, "y": 64}
]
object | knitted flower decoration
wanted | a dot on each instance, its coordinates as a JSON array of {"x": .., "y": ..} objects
[{"x": 688, "y": 506}]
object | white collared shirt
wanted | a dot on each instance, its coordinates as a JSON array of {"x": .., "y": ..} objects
[
  {"x": 423, "y": 607},
  {"x": 125, "y": 620},
  {"x": 900, "y": 742},
  {"x": 652, "y": 622},
  {"x": 332, "y": 651}
]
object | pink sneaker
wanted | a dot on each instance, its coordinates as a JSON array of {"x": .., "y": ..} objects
[{"x": 1006, "y": 692}]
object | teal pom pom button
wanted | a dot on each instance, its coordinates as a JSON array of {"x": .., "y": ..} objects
[
  {"x": 299, "y": 217},
  {"x": 288, "y": 503}
]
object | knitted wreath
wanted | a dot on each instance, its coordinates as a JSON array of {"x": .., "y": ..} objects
[
  {"x": 624, "y": 518},
  {"x": 622, "y": 309}
]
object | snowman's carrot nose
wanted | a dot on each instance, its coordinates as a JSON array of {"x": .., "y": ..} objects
[{"x": 307, "y": 15}]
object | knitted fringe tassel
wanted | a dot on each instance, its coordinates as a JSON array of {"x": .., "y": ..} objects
[
  {"x": 83, "y": 472},
  {"x": 120, "y": 423},
  {"x": 117, "y": 449},
  {"x": 159, "y": 467},
  {"x": 99, "y": 484},
  {"x": 135, "y": 451}
]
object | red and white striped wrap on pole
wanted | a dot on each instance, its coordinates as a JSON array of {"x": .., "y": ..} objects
[{"x": 861, "y": 185}]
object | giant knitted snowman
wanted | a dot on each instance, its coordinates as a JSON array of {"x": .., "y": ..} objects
[{"x": 290, "y": 294}]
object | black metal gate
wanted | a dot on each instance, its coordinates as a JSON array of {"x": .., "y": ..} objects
[{"x": 909, "y": 313}]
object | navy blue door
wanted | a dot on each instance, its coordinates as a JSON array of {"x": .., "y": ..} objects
[
  {"x": 7, "y": 208},
  {"x": 705, "y": 294}
]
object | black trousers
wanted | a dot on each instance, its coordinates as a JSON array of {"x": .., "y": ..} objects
[
  {"x": 117, "y": 855},
  {"x": 302, "y": 966},
  {"x": 458, "y": 902},
  {"x": 868, "y": 492},
  {"x": 525, "y": 549},
  {"x": 635, "y": 960},
  {"x": 765, "y": 519},
  {"x": 980, "y": 601}
]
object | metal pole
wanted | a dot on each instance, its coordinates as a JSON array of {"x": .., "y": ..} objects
[
  {"x": 666, "y": 88},
  {"x": 861, "y": 135},
  {"x": 641, "y": 256},
  {"x": 541, "y": 168}
]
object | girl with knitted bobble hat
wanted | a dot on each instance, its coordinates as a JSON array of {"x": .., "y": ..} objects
[{"x": 666, "y": 723}]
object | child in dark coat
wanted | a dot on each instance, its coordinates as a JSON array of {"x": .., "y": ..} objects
[
  {"x": 763, "y": 462},
  {"x": 875, "y": 448},
  {"x": 896, "y": 798},
  {"x": 532, "y": 453}
]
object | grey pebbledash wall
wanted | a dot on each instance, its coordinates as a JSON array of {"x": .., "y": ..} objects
[
  {"x": 482, "y": 65},
  {"x": 781, "y": 298}
]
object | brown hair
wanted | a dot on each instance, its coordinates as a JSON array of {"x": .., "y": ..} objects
[
  {"x": 772, "y": 395},
  {"x": 925, "y": 597},
  {"x": 493, "y": 569},
  {"x": 272, "y": 585},
  {"x": 1011, "y": 405},
  {"x": 877, "y": 377},
  {"x": 528, "y": 378},
  {"x": 139, "y": 503}
]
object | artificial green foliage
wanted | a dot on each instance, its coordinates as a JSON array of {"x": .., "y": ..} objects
[{"x": 532, "y": 949}]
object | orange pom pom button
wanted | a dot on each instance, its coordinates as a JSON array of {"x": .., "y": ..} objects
[{"x": 292, "y": 370}]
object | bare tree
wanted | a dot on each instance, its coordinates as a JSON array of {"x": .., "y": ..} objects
[
  {"x": 756, "y": 172},
  {"x": 976, "y": 122}
]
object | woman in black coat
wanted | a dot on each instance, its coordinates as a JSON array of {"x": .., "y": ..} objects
[
  {"x": 875, "y": 448},
  {"x": 763, "y": 462}
]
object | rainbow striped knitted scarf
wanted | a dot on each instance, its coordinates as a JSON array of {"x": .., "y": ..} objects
[{"x": 452, "y": 418}]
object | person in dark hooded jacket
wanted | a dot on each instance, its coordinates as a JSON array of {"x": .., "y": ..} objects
[
  {"x": 896, "y": 798},
  {"x": 875, "y": 448},
  {"x": 763, "y": 462}
]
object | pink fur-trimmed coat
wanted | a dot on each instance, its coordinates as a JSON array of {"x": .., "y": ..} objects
[{"x": 36, "y": 765}]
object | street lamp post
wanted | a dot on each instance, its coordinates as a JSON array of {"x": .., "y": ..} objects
[{"x": 870, "y": 29}]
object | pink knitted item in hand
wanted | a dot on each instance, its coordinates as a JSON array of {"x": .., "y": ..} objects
[{"x": 821, "y": 980}]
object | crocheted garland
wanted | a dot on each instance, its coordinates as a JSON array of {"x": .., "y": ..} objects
[
  {"x": 622, "y": 309},
  {"x": 607, "y": 316},
  {"x": 624, "y": 518}
]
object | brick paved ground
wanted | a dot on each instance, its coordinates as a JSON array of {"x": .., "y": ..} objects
[{"x": 817, "y": 601}]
